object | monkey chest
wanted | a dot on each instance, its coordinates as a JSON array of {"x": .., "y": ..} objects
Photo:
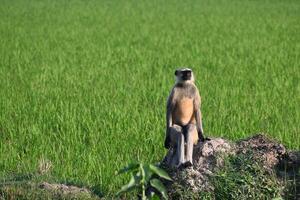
[{"x": 184, "y": 111}]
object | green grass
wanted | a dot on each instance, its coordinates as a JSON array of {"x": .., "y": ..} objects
[
  {"x": 84, "y": 83},
  {"x": 241, "y": 178}
]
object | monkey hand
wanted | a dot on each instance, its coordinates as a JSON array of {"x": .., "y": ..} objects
[
  {"x": 167, "y": 140},
  {"x": 200, "y": 135}
]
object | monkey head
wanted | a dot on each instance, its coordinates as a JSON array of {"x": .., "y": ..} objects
[{"x": 184, "y": 75}]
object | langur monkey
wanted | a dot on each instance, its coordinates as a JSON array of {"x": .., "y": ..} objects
[{"x": 184, "y": 120}]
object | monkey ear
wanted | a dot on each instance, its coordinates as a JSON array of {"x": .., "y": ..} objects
[{"x": 176, "y": 72}]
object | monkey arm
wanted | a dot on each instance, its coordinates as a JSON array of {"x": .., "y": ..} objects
[
  {"x": 199, "y": 124},
  {"x": 168, "y": 139},
  {"x": 198, "y": 116},
  {"x": 169, "y": 120}
]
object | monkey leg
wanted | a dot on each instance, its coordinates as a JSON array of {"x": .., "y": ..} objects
[
  {"x": 177, "y": 142},
  {"x": 191, "y": 139}
]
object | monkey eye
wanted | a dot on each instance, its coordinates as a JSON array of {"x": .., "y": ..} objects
[{"x": 186, "y": 73}]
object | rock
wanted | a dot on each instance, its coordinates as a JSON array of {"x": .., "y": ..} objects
[
  {"x": 206, "y": 157},
  {"x": 64, "y": 189},
  {"x": 263, "y": 148},
  {"x": 209, "y": 156}
]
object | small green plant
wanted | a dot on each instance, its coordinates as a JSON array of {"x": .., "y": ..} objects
[{"x": 143, "y": 176}]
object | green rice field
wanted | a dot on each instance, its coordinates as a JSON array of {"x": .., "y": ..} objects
[{"x": 83, "y": 84}]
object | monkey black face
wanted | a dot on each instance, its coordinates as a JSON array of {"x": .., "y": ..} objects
[{"x": 184, "y": 74}]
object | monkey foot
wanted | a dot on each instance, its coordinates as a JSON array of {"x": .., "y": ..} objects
[{"x": 185, "y": 165}]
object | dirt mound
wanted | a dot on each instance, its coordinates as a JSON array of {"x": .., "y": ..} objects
[
  {"x": 210, "y": 157},
  {"x": 64, "y": 189}
]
